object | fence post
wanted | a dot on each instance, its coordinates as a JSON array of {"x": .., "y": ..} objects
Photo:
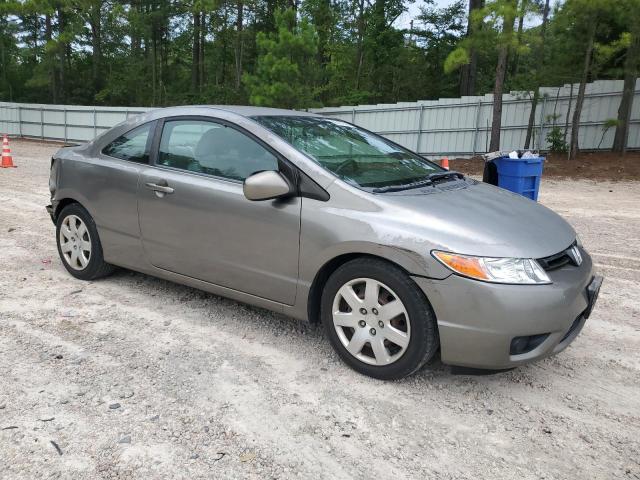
[
  {"x": 419, "y": 128},
  {"x": 95, "y": 123},
  {"x": 42, "y": 122},
  {"x": 19, "y": 121},
  {"x": 542, "y": 113},
  {"x": 65, "y": 124},
  {"x": 353, "y": 116},
  {"x": 475, "y": 133}
]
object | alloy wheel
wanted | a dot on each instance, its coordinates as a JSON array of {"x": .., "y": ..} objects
[{"x": 371, "y": 321}]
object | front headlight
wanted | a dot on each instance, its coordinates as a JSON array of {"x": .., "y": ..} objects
[{"x": 496, "y": 270}]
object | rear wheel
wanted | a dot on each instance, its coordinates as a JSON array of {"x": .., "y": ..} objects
[
  {"x": 79, "y": 245},
  {"x": 378, "y": 320}
]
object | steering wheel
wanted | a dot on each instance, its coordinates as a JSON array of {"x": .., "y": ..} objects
[{"x": 346, "y": 164}]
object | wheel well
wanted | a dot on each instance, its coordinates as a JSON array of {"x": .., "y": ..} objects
[
  {"x": 63, "y": 203},
  {"x": 315, "y": 292}
]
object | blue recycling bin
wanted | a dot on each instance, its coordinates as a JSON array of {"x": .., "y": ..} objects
[{"x": 520, "y": 175}]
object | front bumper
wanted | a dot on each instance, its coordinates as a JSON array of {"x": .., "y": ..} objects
[
  {"x": 52, "y": 213},
  {"x": 478, "y": 321}
]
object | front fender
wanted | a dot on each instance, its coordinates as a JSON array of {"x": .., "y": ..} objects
[{"x": 412, "y": 262}]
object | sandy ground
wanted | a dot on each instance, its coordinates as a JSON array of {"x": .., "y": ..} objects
[{"x": 134, "y": 377}]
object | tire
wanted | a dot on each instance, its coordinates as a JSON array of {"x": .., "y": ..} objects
[
  {"x": 89, "y": 263},
  {"x": 416, "y": 324}
]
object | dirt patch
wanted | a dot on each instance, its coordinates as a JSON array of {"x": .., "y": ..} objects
[
  {"x": 592, "y": 166},
  {"x": 135, "y": 377}
]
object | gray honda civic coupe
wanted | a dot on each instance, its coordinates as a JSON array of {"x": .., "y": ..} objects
[{"x": 322, "y": 220}]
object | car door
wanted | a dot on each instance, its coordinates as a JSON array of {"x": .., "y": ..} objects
[
  {"x": 108, "y": 183},
  {"x": 196, "y": 221}
]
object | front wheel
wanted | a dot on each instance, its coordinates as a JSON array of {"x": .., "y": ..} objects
[
  {"x": 378, "y": 320},
  {"x": 79, "y": 245}
]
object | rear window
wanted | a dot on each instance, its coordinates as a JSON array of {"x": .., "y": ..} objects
[{"x": 134, "y": 145}]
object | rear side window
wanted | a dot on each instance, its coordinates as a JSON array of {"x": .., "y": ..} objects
[
  {"x": 212, "y": 148},
  {"x": 134, "y": 145}
]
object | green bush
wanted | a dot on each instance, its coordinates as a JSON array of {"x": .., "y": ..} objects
[{"x": 555, "y": 139}]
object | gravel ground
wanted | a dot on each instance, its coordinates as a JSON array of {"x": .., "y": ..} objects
[{"x": 135, "y": 377}]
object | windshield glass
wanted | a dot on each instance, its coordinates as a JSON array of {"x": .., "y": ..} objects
[{"x": 356, "y": 156}]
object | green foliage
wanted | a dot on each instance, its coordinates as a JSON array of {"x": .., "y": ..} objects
[
  {"x": 284, "y": 75},
  {"x": 329, "y": 52},
  {"x": 457, "y": 58},
  {"x": 556, "y": 141}
]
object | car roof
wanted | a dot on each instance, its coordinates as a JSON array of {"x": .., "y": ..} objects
[{"x": 245, "y": 110}]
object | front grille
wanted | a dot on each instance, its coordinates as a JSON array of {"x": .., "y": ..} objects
[{"x": 558, "y": 260}]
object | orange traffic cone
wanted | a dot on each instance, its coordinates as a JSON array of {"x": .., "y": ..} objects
[
  {"x": 444, "y": 163},
  {"x": 7, "y": 160}
]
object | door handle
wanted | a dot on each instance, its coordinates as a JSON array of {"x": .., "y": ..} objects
[{"x": 159, "y": 188}]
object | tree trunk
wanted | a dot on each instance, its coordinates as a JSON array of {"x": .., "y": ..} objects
[
  {"x": 3, "y": 59},
  {"x": 575, "y": 123},
  {"x": 50, "y": 58},
  {"x": 532, "y": 118},
  {"x": 96, "y": 44},
  {"x": 62, "y": 54},
  {"x": 536, "y": 93},
  {"x": 496, "y": 122},
  {"x": 523, "y": 11},
  {"x": 631, "y": 65},
  {"x": 566, "y": 119},
  {"x": 239, "y": 42},
  {"x": 203, "y": 35},
  {"x": 195, "y": 53},
  {"x": 501, "y": 70},
  {"x": 360, "y": 42},
  {"x": 468, "y": 72},
  {"x": 154, "y": 65}
]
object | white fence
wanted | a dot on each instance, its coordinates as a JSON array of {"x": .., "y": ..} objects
[
  {"x": 455, "y": 127},
  {"x": 68, "y": 123}
]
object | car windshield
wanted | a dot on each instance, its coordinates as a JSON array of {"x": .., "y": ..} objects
[{"x": 356, "y": 156}]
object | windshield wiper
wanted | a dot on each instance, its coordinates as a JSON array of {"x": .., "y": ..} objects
[
  {"x": 406, "y": 186},
  {"x": 421, "y": 183},
  {"x": 447, "y": 174}
]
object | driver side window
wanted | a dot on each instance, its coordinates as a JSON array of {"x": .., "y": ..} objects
[{"x": 212, "y": 148}]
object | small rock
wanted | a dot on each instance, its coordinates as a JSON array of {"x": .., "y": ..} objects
[
  {"x": 127, "y": 394},
  {"x": 586, "y": 438},
  {"x": 3, "y": 406},
  {"x": 167, "y": 323},
  {"x": 194, "y": 456},
  {"x": 64, "y": 401},
  {"x": 247, "y": 457},
  {"x": 489, "y": 411},
  {"x": 155, "y": 418},
  {"x": 11, "y": 230},
  {"x": 125, "y": 439},
  {"x": 546, "y": 430},
  {"x": 58, "y": 357},
  {"x": 56, "y": 446},
  {"x": 114, "y": 406}
]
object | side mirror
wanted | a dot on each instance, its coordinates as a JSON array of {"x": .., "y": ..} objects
[{"x": 265, "y": 185}]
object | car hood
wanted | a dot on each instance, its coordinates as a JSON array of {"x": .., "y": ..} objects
[{"x": 480, "y": 219}]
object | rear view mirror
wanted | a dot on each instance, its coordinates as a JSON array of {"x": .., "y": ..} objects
[{"x": 265, "y": 185}]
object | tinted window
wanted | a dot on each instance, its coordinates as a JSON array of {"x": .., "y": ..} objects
[
  {"x": 212, "y": 148},
  {"x": 355, "y": 155},
  {"x": 133, "y": 145}
]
